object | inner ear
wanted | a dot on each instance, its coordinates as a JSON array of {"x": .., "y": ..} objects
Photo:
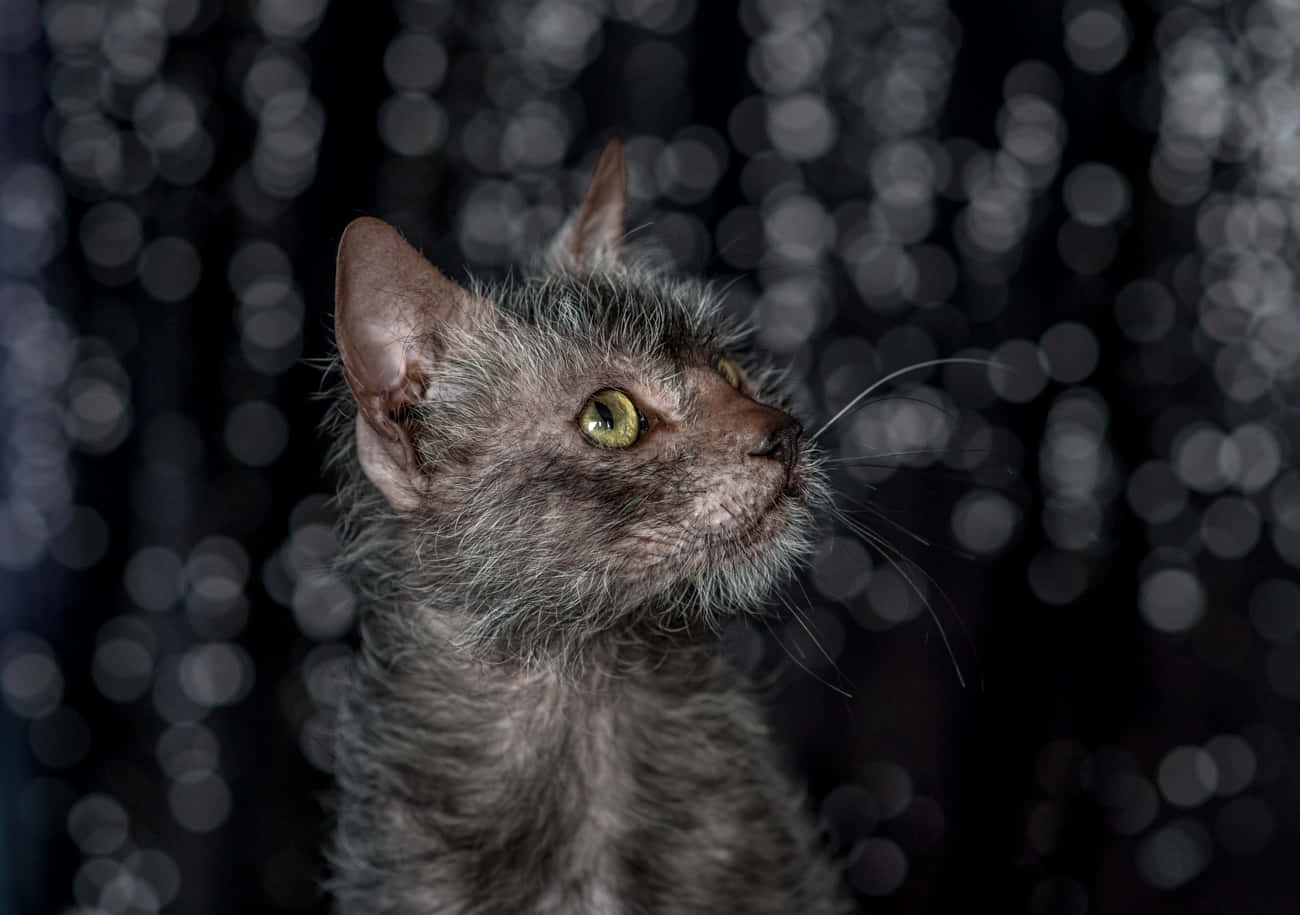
[
  {"x": 594, "y": 236},
  {"x": 393, "y": 311}
]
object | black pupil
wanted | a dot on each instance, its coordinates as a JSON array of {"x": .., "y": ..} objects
[{"x": 606, "y": 415}]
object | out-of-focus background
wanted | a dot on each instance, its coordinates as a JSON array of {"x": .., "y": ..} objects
[{"x": 1063, "y": 679}]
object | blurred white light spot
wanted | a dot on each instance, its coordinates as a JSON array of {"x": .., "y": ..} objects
[
  {"x": 1130, "y": 802},
  {"x": 1155, "y": 493},
  {"x": 1145, "y": 311},
  {"x": 122, "y": 668},
  {"x": 1071, "y": 351},
  {"x": 160, "y": 871},
  {"x": 316, "y": 741},
  {"x": 412, "y": 124},
  {"x": 489, "y": 223},
  {"x": 1018, "y": 373},
  {"x": 325, "y": 671},
  {"x": 22, "y": 536},
  {"x": 801, "y": 127},
  {"x": 93, "y": 877},
  {"x": 535, "y": 137},
  {"x": 893, "y": 598},
  {"x": 31, "y": 211},
  {"x": 1172, "y": 600},
  {"x": 292, "y": 19},
  {"x": 134, "y": 43},
  {"x": 126, "y": 892},
  {"x": 849, "y": 812},
  {"x": 798, "y": 228},
  {"x": 984, "y": 520},
  {"x": 1187, "y": 776},
  {"x": 111, "y": 234},
  {"x": 663, "y": 16},
  {"x": 30, "y": 678},
  {"x": 169, "y": 269},
  {"x": 323, "y": 604},
  {"x": 879, "y": 867},
  {"x": 98, "y": 824},
  {"x": 256, "y": 433},
  {"x": 562, "y": 34},
  {"x": 1234, "y": 758},
  {"x": 1097, "y": 38},
  {"x": 82, "y": 541},
  {"x": 218, "y": 673},
  {"x": 841, "y": 569},
  {"x": 1096, "y": 194},
  {"x": 1230, "y": 527},
  {"x": 199, "y": 800},
  {"x": 415, "y": 62},
  {"x": 153, "y": 578},
  {"x": 1057, "y": 578},
  {"x": 684, "y": 240},
  {"x": 789, "y": 312},
  {"x": 1174, "y": 854},
  {"x": 688, "y": 168},
  {"x": 1204, "y": 459},
  {"x": 890, "y": 784},
  {"x": 187, "y": 748},
  {"x": 166, "y": 118},
  {"x": 99, "y": 415},
  {"x": 1259, "y": 453}
]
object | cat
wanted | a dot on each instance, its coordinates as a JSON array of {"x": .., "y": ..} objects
[{"x": 554, "y": 492}]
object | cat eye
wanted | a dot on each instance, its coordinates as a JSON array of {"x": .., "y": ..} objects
[
  {"x": 727, "y": 369},
  {"x": 611, "y": 420}
]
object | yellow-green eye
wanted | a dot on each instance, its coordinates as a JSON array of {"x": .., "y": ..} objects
[
  {"x": 610, "y": 419},
  {"x": 727, "y": 369}
]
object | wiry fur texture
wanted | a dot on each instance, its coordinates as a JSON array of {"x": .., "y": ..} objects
[{"x": 539, "y": 719}]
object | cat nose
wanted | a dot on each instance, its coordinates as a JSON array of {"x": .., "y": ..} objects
[{"x": 781, "y": 442}]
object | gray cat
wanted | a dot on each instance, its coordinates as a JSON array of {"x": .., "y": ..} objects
[{"x": 555, "y": 492}]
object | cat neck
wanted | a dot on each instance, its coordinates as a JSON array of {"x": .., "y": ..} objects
[{"x": 600, "y": 664}]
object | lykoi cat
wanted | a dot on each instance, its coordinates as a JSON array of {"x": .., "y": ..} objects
[{"x": 554, "y": 494}]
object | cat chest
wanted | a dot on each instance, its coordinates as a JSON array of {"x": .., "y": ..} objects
[{"x": 663, "y": 809}]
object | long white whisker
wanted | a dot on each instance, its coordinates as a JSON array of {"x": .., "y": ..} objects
[
  {"x": 900, "y": 527},
  {"x": 889, "y": 551},
  {"x": 808, "y": 602},
  {"x": 954, "y": 360},
  {"x": 807, "y": 629}
]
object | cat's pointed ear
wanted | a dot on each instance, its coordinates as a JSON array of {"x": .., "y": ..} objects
[
  {"x": 390, "y": 307},
  {"x": 594, "y": 236}
]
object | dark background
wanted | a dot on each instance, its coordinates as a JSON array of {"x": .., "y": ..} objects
[{"x": 1055, "y": 665}]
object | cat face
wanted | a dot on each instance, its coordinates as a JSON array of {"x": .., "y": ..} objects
[{"x": 571, "y": 451}]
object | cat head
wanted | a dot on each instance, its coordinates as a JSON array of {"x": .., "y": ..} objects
[{"x": 582, "y": 452}]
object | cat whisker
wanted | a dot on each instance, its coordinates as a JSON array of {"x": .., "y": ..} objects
[
  {"x": 916, "y": 366},
  {"x": 890, "y": 552},
  {"x": 949, "y": 412},
  {"x": 776, "y": 637},
  {"x": 877, "y": 512},
  {"x": 806, "y": 625},
  {"x": 906, "y": 452}
]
